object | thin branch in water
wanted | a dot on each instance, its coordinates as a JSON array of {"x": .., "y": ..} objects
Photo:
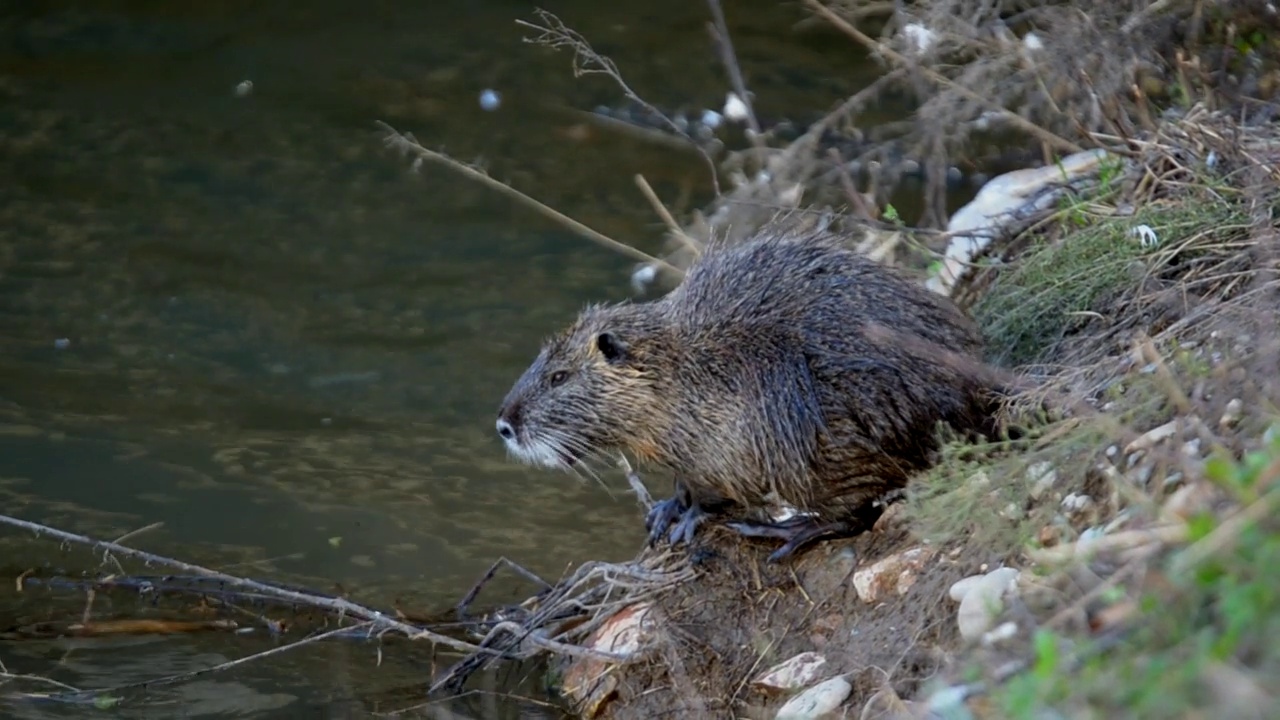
[
  {"x": 7, "y": 677},
  {"x": 586, "y": 61},
  {"x": 406, "y": 143},
  {"x": 106, "y": 554},
  {"x": 338, "y": 605},
  {"x": 515, "y": 567},
  {"x": 191, "y": 674}
]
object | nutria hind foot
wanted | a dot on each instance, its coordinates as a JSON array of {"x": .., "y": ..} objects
[
  {"x": 802, "y": 530},
  {"x": 798, "y": 532},
  {"x": 680, "y": 517}
]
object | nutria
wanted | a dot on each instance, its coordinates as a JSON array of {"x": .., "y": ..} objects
[{"x": 758, "y": 379}]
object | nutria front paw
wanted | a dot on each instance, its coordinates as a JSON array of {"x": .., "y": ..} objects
[{"x": 682, "y": 520}]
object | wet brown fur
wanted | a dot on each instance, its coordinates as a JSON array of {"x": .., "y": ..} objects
[{"x": 758, "y": 374}]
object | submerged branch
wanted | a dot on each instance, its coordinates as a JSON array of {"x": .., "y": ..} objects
[{"x": 337, "y": 605}]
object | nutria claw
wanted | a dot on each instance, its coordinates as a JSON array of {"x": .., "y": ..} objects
[
  {"x": 797, "y": 532},
  {"x": 665, "y": 513}
]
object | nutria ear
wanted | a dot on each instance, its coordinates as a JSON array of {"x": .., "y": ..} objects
[{"x": 611, "y": 347}]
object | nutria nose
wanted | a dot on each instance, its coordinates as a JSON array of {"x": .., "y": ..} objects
[{"x": 505, "y": 430}]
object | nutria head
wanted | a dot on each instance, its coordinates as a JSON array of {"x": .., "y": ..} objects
[{"x": 590, "y": 390}]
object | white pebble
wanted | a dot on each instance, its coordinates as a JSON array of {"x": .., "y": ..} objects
[
  {"x": 921, "y": 37},
  {"x": 1042, "y": 477},
  {"x": 643, "y": 277},
  {"x": 244, "y": 88},
  {"x": 490, "y": 99},
  {"x": 711, "y": 119},
  {"x": 1232, "y": 414},
  {"x": 1075, "y": 503},
  {"x": 734, "y": 108},
  {"x": 984, "y": 602},
  {"x": 792, "y": 674},
  {"x": 961, "y": 587},
  {"x": 62, "y": 343},
  {"x": 1002, "y": 632},
  {"x": 1149, "y": 439},
  {"x": 1142, "y": 475},
  {"x": 949, "y": 702},
  {"x": 816, "y": 701}
]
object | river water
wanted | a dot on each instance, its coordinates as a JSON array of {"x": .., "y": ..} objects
[{"x": 233, "y": 312}]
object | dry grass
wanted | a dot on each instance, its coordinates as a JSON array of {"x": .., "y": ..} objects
[
  {"x": 1123, "y": 340},
  {"x": 995, "y": 82},
  {"x": 1165, "y": 379}
]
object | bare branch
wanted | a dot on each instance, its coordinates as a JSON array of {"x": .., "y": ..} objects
[{"x": 586, "y": 61}]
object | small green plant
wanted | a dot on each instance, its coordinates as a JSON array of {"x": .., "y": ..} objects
[
  {"x": 1057, "y": 287},
  {"x": 1222, "y": 616}
]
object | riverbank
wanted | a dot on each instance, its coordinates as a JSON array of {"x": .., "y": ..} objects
[{"x": 1115, "y": 560}]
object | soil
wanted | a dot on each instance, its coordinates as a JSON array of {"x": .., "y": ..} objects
[{"x": 740, "y": 615}]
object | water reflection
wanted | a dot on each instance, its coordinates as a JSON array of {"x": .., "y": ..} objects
[{"x": 236, "y": 314}]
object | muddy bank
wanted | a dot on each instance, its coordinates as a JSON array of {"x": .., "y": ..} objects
[
  {"x": 1131, "y": 291},
  {"x": 1162, "y": 367}
]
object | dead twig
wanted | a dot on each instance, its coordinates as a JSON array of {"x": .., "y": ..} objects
[
  {"x": 489, "y": 574},
  {"x": 672, "y": 226},
  {"x": 407, "y": 144},
  {"x": 555, "y": 35},
  {"x": 875, "y": 46},
  {"x": 337, "y": 605},
  {"x": 719, "y": 30},
  {"x": 7, "y": 677},
  {"x": 191, "y": 674}
]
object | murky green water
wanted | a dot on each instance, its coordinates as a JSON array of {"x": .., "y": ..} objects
[{"x": 238, "y": 315}]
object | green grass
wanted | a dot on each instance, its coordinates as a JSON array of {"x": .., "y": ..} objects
[
  {"x": 1204, "y": 637},
  {"x": 984, "y": 493},
  {"x": 1217, "y": 617},
  {"x": 1059, "y": 286}
]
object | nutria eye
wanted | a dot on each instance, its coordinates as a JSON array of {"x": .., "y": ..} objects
[{"x": 558, "y": 377}]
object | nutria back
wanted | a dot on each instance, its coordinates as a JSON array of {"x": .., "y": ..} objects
[{"x": 764, "y": 376}]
